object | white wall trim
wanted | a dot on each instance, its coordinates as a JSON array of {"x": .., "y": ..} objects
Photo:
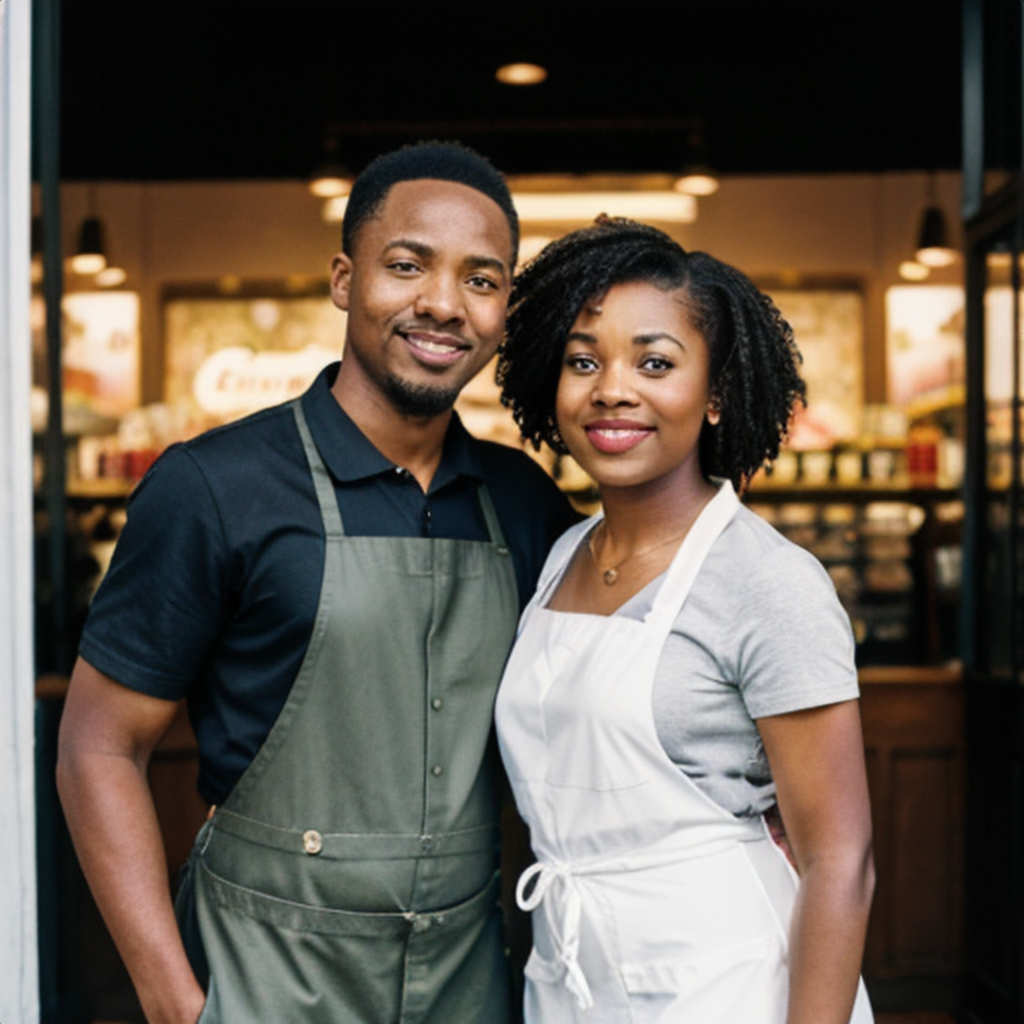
[{"x": 19, "y": 984}]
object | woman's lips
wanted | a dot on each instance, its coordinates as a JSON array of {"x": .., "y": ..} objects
[{"x": 612, "y": 436}]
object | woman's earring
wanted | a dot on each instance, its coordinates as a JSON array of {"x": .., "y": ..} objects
[{"x": 714, "y": 415}]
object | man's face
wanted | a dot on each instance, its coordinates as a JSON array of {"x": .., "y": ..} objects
[{"x": 426, "y": 290}]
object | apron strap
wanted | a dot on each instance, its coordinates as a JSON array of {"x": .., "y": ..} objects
[
  {"x": 713, "y": 519},
  {"x": 325, "y": 495},
  {"x": 494, "y": 530}
]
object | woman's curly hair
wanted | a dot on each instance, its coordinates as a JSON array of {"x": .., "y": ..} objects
[{"x": 754, "y": 380}]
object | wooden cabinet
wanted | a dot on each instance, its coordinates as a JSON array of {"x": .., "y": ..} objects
[{"x": 914, "y": 739}]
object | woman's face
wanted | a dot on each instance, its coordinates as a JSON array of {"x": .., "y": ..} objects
[{"x": 633, "y": 392}]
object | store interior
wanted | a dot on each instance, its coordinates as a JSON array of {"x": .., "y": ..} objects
[{"x": 832, "y": 134}]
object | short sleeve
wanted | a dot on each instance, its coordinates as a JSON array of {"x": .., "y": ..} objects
[
  {"x": 162, "y": 603},
  {"x": 796, "y": 647}
]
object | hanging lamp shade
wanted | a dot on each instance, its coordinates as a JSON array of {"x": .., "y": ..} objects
[
  {"x": 697, "y": 176},
  {"x": 331, "y": 179},
  {"x": 89, "y": 257},
  {"x": 933, "y": 248}
]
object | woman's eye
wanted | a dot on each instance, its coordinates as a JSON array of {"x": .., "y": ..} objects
[
  {"x": 581, "y": 363},
  {"x": 656, "y": 364}
]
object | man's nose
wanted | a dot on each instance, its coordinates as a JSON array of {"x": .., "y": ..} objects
[{"x": 439, "y": 298}]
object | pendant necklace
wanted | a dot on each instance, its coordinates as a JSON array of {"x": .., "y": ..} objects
[{"x": 610, "y": 573}]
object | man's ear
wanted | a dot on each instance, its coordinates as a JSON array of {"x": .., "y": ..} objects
[{"x": 341, "y": 280}]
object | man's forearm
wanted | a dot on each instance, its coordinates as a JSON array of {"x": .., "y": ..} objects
[
  {"x": 106, "y": 737},
  {"x": 113, "y": 823}
]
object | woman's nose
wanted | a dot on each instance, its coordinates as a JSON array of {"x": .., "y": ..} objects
[{"x": 613, "y": 386}]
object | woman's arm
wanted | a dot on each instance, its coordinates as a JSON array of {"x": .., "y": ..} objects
[{"x": 817, "y": 762}]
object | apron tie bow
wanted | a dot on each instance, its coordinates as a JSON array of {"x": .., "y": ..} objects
[{"x": 563, "y": 912}]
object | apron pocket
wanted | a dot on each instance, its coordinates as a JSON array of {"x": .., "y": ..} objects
[
  {"x": 210, "y": 1011},
  {"x": 746, "y": 981},
  {"x": 276, "y": 960}
]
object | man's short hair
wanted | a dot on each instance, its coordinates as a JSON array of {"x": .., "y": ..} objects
[{"x": 445, "y": 161}]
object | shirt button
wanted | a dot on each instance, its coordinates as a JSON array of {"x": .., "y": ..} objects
[
  {"x": 437, "y": 770},
  {"x": 312, "y": 841},
  {"x": 437, "y": 703}
]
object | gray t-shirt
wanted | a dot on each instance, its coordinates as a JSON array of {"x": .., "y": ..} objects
[{"x": 761, "y": 633}]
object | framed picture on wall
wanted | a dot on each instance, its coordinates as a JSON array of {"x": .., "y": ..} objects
[
  {"x": 232, "y": 353},
  {"x": 828, "y": 324},
  {"x": 924, "y": 344},
  {"x": 101, "y": 356}
]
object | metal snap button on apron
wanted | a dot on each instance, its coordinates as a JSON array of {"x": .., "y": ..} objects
[
  {"x": 437, "y": 770},
  {"x": 312, "y": 841}
]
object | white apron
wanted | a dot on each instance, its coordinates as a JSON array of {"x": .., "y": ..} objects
[{"x": 651, "y": 903}]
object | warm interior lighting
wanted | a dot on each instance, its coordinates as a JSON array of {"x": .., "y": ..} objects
[
  {"x": 668, "y": 206},
  {"x": 697, "y": 177},
  {"x": 89, "y": 258},
  {"x": 910, "y": 270},
  {"x": 933, "y": 248},
  {"x": 111, "y": 277},
  {"x": 331, "y": 181},
  {"x": 697, "y": 181},
  {"x": 334, "y": 209},
  {"x": 521, "y": 73}
]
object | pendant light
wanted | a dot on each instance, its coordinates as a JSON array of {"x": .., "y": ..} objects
[
  {"x": 933, "y": 248},
  {"x": 331, "y": 178},
  {"x": 697, "y": 177},
  {"x": 89, "y": 257}
]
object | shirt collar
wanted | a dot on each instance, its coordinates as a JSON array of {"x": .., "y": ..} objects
[{"x": 350, "y": 455}]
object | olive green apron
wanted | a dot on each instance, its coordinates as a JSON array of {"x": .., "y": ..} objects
[{"x": 350, "y": 874}]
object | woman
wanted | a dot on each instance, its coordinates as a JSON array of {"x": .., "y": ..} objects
[{"x": 683, "y": 669}]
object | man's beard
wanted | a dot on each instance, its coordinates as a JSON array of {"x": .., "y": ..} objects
[{"x": 419, "y": 400}]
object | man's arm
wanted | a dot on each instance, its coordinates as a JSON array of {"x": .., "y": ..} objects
[{"x": 107, "y": 735}]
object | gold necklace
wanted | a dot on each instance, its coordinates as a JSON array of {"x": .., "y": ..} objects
[{"x": 610, "y": 573}]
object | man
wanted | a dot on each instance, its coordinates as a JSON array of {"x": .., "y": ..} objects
[{"x": 334, "y": 585}]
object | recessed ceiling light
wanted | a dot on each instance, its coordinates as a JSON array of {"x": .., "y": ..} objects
[{"x": 521, "y": 74}]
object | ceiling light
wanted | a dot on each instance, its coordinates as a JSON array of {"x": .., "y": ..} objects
[
  {"x": 563, "y": 207},
  {"x": 933, "y": 248},
  {"x": 331, "y": 180},
  {"x": 697, "y": 177},
  {"x": 334, "y": 209},
  {"x": 331, "y": 177},
  {"x": 89, "y": 257},
  {"x": 111, "y": 277},
  {"x": 911, "y": 270},
  {"x": 521, "y": 73},
  {"x": 697, "y": 181}
]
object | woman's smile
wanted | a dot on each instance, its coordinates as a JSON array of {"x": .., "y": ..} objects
[
  {"x": 633, "y": 391},
  {"x": 616, "y": 435}
]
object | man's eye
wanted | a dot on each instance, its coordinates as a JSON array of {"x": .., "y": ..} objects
[
  {"x": 485, "y": 283},
  {"x": 403, "y": 266}
]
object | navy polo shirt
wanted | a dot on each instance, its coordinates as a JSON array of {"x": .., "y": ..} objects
[{"x": 214, "y": 586}]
